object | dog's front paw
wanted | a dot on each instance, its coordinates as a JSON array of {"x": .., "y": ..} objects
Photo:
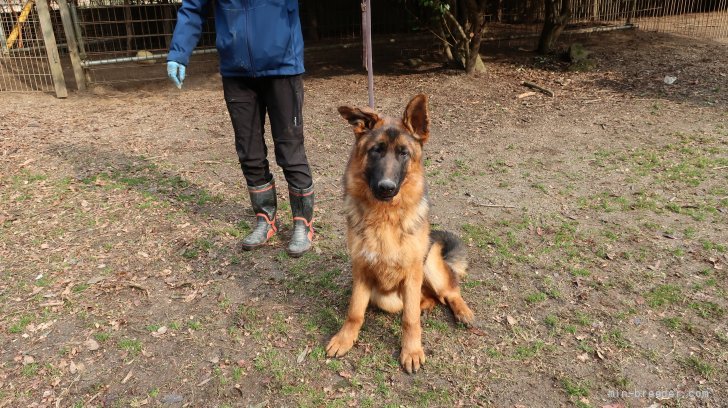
[
  {"x": 339, "y": 345},
  {"x": 412, "y": 360}
]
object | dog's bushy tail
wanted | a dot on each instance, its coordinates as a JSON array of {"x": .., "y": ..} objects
[{"x": 453, "y": 251}]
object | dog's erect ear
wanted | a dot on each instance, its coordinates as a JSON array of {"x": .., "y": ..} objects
[
  {"x": 362, "y": 119},
  {"x": 417, "y": 119}
]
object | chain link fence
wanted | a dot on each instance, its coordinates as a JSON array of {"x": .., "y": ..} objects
[{"x": 114, "y": 41}]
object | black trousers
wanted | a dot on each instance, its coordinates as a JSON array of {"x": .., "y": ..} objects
[{"x": 281, "y": 98}]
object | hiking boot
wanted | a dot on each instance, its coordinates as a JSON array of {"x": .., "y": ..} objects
[
  {"x": 302, "y": 209},
  {"x": 263, "y": 200}
]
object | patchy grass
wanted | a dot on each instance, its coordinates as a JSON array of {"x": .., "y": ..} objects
[
  {"x": 133, "y": 346},
  {"x": 535, "y": 297},
  {"x": 664, "y": 295},
  {"x": 600, "y": 236},
  {"x": 699, "y": 366},
  {"x": 20, "y": 325}
]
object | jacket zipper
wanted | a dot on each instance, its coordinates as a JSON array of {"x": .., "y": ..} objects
[{"x": 247, "y": 37}]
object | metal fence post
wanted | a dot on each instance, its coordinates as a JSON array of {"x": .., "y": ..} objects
[
  {"x": 72, "y": 45},
  {"x": 54, "y": 60},
  {"x": 77, "y": 31}
]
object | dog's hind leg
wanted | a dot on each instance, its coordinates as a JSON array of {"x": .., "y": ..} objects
[
  {"x": 342, "y": 342},
  {"x": 442, "y": 279},
  {"x": 427, "y": 303}
]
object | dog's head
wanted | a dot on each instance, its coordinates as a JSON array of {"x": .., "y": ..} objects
[{"x": 389, "y": 148}]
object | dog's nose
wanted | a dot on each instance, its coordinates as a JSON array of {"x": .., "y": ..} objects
[{"x": 386, "y": 186}]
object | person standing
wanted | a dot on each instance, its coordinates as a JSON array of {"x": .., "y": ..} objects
[{"x": 260, "y": 48}]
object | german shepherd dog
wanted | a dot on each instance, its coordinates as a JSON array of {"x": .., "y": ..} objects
[{"x": 398, "y": 264}]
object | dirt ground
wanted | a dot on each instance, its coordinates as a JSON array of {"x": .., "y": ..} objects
[{"x": 596, "y": 223}]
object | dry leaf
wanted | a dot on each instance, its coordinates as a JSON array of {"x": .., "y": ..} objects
[
  {"x": 583, "y": 357},
  {"x": 511, "y": 320},
  {"x": 190, "y": 297},
  {"x": 128, "y": 376},
  {"x": 91, "y": 345},
  {"x": 136, "y": 403},
  {"x": 476, "y": 331},
  {"x": 302, "y": 355},
  {"x": 95, "y": 279},
  {"x": 74, "y": 368}
]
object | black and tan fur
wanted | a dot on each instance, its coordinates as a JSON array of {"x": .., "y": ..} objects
[{"x": 398, "y": 264}]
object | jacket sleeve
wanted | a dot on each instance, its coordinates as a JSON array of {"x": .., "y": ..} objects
[{"x": 187, "y": 31}]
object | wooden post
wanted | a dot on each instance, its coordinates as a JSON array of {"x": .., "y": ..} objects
[
  {"x": 72, "y": 45},
  {"x": 3, "y": 40},
  {"x": 596, "y": 10},
  {"x": 54, "y": 60}
]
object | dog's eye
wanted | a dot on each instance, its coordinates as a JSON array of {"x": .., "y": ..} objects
[
  {"x": 377, "y": 148},
  {"x": 404, "y": 153}
]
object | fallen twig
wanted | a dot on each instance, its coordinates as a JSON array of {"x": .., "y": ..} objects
[
  {"x": 138, "y": 286},
  {"x": 720, "y": 167},
  {"x": 93, "y": 398},
  {"x": 493, "y": 205},
  {"x": 538, "y": 87},
  {"x": 65, "y": 391},
  {"x": 525, "y": 95}
]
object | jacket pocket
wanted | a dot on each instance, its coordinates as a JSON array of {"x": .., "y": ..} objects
[
  {"x": 231, "y": 41},
  {"x": 271, "y": 33}
]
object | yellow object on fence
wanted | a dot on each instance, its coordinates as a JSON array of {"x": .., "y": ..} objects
[{"x": 16, "y": 30}]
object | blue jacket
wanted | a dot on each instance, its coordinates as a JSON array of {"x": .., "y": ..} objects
[{"x": 254, "y": 38}]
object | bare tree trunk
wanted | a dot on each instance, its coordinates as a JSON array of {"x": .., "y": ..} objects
[
  {"x": 446, "y": 47},
  {"x": 461, "y": 31},
  {"x": 554, "y": 24},
  {"x": 476, "y": 15}
]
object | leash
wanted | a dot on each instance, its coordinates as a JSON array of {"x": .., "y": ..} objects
[{"x": 366, "y": 27}]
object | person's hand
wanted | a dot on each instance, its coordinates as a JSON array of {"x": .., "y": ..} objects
[{"x": 176, "y": 73}]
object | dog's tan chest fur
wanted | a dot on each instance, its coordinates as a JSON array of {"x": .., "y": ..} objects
[{"x": 389, "y": 246}]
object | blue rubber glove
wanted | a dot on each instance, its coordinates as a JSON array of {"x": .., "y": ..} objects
[{"x": 176, "y": 73}]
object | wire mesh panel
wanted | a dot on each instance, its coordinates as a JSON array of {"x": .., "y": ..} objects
[
  {"x": 521, "y": 21},
  {"x": 706, "y": 19},
  {"x": 24, "y": 63},
  {"x": 127, "y": 40}
]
